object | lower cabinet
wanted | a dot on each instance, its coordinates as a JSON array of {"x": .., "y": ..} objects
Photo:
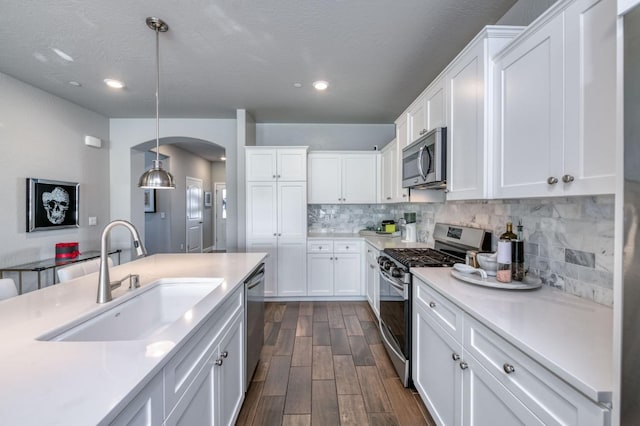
[
  {"x": 203, "y": 383},
  {"x": 334, "y": 268},
  {"x": 372, "y": 279},
  {"x": 286, "y": 265},
  {"x": 472, "y": 376}
]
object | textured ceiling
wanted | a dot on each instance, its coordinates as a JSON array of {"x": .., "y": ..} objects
[{"x": 219, "y": 56}]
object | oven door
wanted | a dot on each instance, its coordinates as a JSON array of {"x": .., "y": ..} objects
[{"x": 395, "y": 317}]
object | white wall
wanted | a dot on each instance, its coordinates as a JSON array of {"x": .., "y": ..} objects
[
  {"x": 126, "y": 200},
  {"x": 524, "y": 12},
  {"x": 326, "y": 136},
  {"x": 42, "y": 136}
]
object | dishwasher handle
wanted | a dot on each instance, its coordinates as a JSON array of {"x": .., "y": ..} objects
[{"x": 256, "y": 278}]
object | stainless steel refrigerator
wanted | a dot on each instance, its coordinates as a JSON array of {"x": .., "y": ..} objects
[{"x": 630, "y": 350}]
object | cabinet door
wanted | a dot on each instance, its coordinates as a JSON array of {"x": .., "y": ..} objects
[
  {"x": 466, "y": 156},
  {"x": 347, "y": 276},
  {"x": 529, "y": 115},
  {"x": 359, "y": 179},
  {"x": 292, "y": 267},
  {"x": 320, "y": 274},
  {"x": 261, "y": 164},
  {"x": 590, "y": 96},
  {"x": 435, "y": 101},
  {"x": 292, "y": 164},
  {"x": 417, "y": 119},
  {"x": 292, "y": 209},
  {"x": 324, "y": 179},
  {"x": 262, "y": 210},
  {"x": 197, "y": 406},
  {"x": 487, "y": 402},
  {"x": 269, "y": 246},
  {"x": 402, "y": 130},
  {"x": 388, "y": 170},
  {"x": 436, "y": 369},
  {"x": 230, "y": 386},
  {"x": 147, "y": 407}
]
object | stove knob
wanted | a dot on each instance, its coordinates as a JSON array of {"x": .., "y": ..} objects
[
  {"x": 397, "y": 273},
  {"x": 387, "y": 265}
]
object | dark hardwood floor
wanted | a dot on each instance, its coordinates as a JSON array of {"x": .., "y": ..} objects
[{"x": 323, "y": 363}]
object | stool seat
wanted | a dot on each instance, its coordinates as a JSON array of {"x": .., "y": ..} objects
[{"x": 80, "y": 269}]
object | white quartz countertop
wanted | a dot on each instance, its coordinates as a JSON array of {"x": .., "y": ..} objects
[
  {"x": 379, "y": 242},
  {"x": 570, "y": 336},
  {"x": 63, "y": 383}
]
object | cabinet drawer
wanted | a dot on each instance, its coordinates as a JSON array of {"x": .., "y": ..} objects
[
  {"x": 184, "y": 366},
  {"x": 446, "y": 314},
  {"x": 550, "y": 398},
  {"x": 346, "y": 246},
  {"x": 320, "y": 246}
]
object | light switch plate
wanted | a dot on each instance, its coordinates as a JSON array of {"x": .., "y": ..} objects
[{"x": 93, "y": 221}]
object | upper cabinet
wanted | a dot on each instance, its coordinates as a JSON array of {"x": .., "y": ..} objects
[
  {"x": 281, "y": 163},
  {"x": 468, "y": 82},
  {"x": 555, "y": 104},
  {"x": 390, "y": 170},
  {"x": 427, "y": 112},
  {"x": 343, "y": 177}
]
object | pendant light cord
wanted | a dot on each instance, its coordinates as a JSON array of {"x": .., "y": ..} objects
[{"x": 157, "y": 94}]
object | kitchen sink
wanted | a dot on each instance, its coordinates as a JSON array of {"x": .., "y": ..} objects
[{"x": 150, "y": 310}]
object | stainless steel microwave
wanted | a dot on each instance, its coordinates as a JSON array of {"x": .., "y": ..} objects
[{"x": 424, "y": 162}]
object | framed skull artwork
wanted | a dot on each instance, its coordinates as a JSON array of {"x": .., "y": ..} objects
[{"x": 52, "y": 204}]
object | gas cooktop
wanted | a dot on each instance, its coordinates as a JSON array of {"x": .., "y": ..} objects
[{"x": 421, "y": 257}]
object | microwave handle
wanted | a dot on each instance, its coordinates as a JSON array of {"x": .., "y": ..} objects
[{"x": 420, "y": 153}]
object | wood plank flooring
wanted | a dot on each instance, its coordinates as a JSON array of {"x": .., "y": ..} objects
[{"x": 323, "y": 363}]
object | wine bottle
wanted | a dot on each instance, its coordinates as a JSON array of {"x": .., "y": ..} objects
[
  {"x": 503, "y": 274},
  {"x": 517, "y": 256}
]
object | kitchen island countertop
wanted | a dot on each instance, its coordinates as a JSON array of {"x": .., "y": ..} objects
[{"x": 62, "y": 383}]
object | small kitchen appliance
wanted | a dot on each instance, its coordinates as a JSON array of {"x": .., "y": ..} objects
[
  {"x": 451, "y": 245},
  {"x": 424, "y": 161},
  {"x": 410, "y": 232}
]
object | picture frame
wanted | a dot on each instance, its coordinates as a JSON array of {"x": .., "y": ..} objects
[
  {"x": 149, "y": 200},
  {"x": 207, "y": 199},
  {"x": 52, "y": 204}
]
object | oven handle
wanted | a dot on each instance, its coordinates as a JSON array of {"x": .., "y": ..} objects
[
  {"x": 393, "y": 283},
  {"x": 389, "y": 345}
]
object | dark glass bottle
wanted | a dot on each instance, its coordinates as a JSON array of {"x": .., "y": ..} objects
[{"x": 503, "y": 274}]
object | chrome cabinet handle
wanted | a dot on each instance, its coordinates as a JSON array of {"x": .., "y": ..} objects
[
  {"x": 278, "y": 176},
  {"x": 455, "y": 357},
  {"x": 567, "y": 178},
  {"x": 404, "y": 195},
  {"x": 218, "y": 361},
  {"x": 508, "y": 368},
  {"x": 388, "y": 198},
  {"x": 275, "y": 234},
  {"x": 224, "y": 354},
  {"x": 432, "y": 304},
  {"x": 279, "y": 235},
  {"x": 347, "y": 247},
  {"x": 274, "y": 176},
  {"x": 552, "y": 180},
  {"x": 464, "y": 365}
]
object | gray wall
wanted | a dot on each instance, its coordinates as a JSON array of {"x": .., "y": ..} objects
[
  {"x": 524, "y": 12},
  {"x": 42, "y": 136},
  {"x": 326, "y": 136}
]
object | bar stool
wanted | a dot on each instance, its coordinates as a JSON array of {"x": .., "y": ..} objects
[
  {"x": 7, "y": 288},
  {"x": 79, "y": 269}
]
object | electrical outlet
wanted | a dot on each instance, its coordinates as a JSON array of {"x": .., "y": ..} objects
[
  {"x": 181, "y": 246},
  {"x": 93, "y": 221},
  {"x": 163, "y": 215}
]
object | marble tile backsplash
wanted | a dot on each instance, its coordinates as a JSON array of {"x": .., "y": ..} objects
[{"x": 568, "y": 241}]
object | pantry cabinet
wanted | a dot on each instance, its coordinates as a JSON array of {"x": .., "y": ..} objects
[
  {"x": 555, "y": 104},
  {"x": 469, "y": 81},
  {"x": 334, "y": 268},
  {"x": 281, "y": 164},
  {"x": 343, "y": 178}
]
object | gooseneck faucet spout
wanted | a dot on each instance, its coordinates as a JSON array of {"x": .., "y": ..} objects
[{"x": 104, "y": 284}]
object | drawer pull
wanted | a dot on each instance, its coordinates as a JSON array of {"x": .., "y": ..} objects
[
  {"x": 455, "y": 356},
  {"x": 464, "y": 365},
  {"x": 432, "y": 304},
  {"x": 508, "y": 368},
  {"x": 224, "y": 354}
]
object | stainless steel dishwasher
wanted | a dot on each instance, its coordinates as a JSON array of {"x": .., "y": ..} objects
[{"x": 254, "y": 320}]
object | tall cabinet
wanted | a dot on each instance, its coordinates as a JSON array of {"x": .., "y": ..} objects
[{"x": 277, "y": 215}]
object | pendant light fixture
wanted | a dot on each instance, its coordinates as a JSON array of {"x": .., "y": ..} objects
[{"x": 157, "y": 177}]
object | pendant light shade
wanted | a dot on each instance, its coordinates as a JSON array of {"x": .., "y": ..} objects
[{"x": 157, "y": 177}]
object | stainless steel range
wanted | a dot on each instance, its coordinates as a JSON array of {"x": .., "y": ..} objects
[{"x": 451, "y": 246}]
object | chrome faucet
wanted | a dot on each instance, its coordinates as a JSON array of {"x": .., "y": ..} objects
[{"x": 104, "y": 284}]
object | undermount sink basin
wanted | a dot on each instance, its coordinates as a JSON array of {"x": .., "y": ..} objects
[{"x": 152, "y": 309}]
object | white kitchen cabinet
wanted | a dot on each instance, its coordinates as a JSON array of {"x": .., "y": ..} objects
[
  {"x": 555, "y": 104},
  {"x": 469, "y": 81},
  {"x": 271, "y": 164},
  {"x": 343, "y": 178},
  {"x": 146, "y": 408},
  {"x": 402, "y": 131},
  {"x": 428, "y": 111},
  {"x": 391, "y": 174},
  {"x": 215, "y": 396},
  {"x": 277, "y": 221},
  {"x": 334, "y": 268},
  {"x": 372, "y": 278},
  {"x": 417, "y": 118}
]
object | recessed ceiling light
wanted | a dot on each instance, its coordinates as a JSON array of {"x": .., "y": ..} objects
[
  {"x": 62, "y": 54},
  {"x": 320, "y": 85},
  {"x": 297, "y": 85},
  {"x": 75, "y": 84},
  {"x": 114, "y": 84}
]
